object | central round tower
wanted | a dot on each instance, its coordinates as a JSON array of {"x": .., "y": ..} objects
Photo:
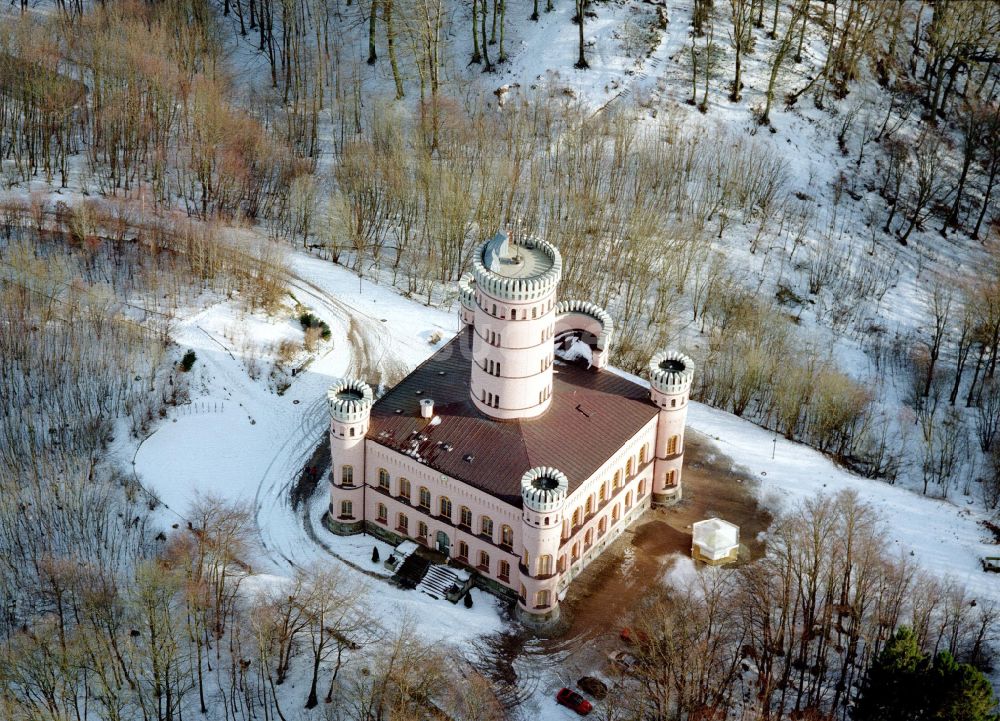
[{"x": 512, "y": 349}]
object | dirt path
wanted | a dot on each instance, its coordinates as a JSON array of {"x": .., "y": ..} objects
[{"x": 603, "y": 599}]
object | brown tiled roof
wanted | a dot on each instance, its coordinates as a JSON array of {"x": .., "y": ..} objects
[{"x": 592, "y": 414}]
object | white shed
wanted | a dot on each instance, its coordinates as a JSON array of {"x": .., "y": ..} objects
[{"x": 715, "y": 541}]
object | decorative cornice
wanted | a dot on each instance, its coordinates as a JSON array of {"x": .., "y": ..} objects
[
  {"x": 350, "y": 400},
  {"x": 671, "y": 372},
  {"x": 594, "y": 311},
  {"x": 543, "y": 489}
]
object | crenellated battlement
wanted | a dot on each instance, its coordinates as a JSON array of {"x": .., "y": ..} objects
[
  {"x": 543, "y": 489},
  {"x": 467, "y": 290},
  {"x": 671, "y": 372},
  {"x": 594, "y": 311},
  {"x": 520, "y": 270},
  {"x": 350, "y": 400}
]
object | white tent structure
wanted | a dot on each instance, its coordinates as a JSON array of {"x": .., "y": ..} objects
[{"x": 715, "y": 541}]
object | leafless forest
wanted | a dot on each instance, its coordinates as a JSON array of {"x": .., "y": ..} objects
[{"x": 163, "y": 149}]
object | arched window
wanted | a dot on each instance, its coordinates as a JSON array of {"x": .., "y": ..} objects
[
  {"x": 383, "y": 479},
  {"x": 614, "y": 514},
  {"x": 602, "y": 526},
  {"x": 590, "y": 505},
  {"x": 642, "y": 489},
  {"x": 503, "y": 571},
  {"x": 383, "y": 513},
  {"x": 542, "y": 599},
  {"x": 575, "y": 553},
  {"x": 671, "y": 480},
  {"x": 588, "y": 538},
  {"x": 404, "y": 488},
  {"x": 347, "y": 475},
  {"x": 465, "y": 517},
  {"x": 545, "y": 565},
  {"x": 403, "y": 523},
  {"x": 628, "y": 500},
  {"x": 673, "y": 402},
  {"x": 576, "y": 517},
  {"x": 444, "y": 507},
  {"x": 602, "y": 494},
  {"x": 346, "y": 509},
  {"x": 484, "y": 561},
  {"x": 352, "y": 431},
  {"x": 642, "y": 455},
  {"x": 486, "y": 526},
  {"x": 506, "y": 535},
  {"x": 672, "y": 445},
  {"x": 565, "y": 529},
  {"x": 463, "y": 550},
  {"x": 534, "y": 312},
  {"x": 422, "y": 530},
  {"x": 628, "y": 468},
  {"x": 618, "y": 480},
  {"x": 425, "y": 498}
]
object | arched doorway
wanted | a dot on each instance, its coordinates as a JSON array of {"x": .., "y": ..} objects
[{"x": 443, "y": 543}]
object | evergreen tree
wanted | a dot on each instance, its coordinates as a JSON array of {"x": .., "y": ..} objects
[
  {"x": 892, "y": 691},
  {"x": 903, "y": 685},
  {"x": 959, "y": 692}
]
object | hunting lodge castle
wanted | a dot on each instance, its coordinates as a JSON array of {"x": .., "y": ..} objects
[{"x": 512, "y": 450}]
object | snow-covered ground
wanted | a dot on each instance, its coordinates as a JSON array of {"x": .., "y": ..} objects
[{"x": 241, "y": 440}]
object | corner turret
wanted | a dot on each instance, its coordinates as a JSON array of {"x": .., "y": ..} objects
[
  {"x": 350, "y": 403},
  {"x": 543, "y": 494},
  {"x": 670, "y": 377}
]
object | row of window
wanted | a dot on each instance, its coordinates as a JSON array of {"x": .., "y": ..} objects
[
  {"x": 493, "y": 367},
  {"x": 608, "y": 489},
  {"x": 445, "y": 508},
  {"x": 490, "y": 399},
  {"x": 423, "y": 533},
  {"x": 536, "y": 311}
]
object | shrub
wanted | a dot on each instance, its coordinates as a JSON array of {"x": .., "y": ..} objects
[
  {"x": 187, "y": 362},
  {"x": 307, "y": 320}
]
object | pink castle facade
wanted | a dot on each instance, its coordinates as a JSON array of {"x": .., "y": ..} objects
[{"x": 513, "y": 450}]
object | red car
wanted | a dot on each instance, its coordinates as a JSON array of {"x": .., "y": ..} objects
[{"x": 572, "y": 700}]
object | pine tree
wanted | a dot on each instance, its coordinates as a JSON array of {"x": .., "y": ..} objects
[
  {"x": 903, "y": 685},
  {"x": 959, "y": 692},
  {"x": 892, "y": 691}
]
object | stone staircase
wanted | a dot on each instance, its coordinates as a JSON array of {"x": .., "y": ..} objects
[{"x": 444, "y": 582}]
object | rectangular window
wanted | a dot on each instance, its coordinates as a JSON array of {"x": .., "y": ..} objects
[
  {"x": 404, "y": 488},
  {"x": 463, "y": 550},
  {"x": 425, "y": 498},
  {"x": 404, "y": 523},
  {"x": 383, "y": 479},
  {"x": 503, "y": 571},
  {"x": 383, "y": 513},
  {"x": 672, "y": 445},
  {"x": 347, "y": 475},
  {"x": 346, "y": 509},
  {"x": 486, "y": 526},
  {"x": 484, "y": 561},
  {"x": 422, "y": 530},
  {"x": 466, "y": 519}
]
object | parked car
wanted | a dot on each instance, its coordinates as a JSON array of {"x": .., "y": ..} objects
[
  {"x": 572, "y": 700},
  {"x": 594, "y": 686},
  {"x": 624, "y": 661},
  {"x": 630, "y": 636}
]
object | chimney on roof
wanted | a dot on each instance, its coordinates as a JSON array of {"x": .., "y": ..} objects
[{"x": 426, "y": 407}]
